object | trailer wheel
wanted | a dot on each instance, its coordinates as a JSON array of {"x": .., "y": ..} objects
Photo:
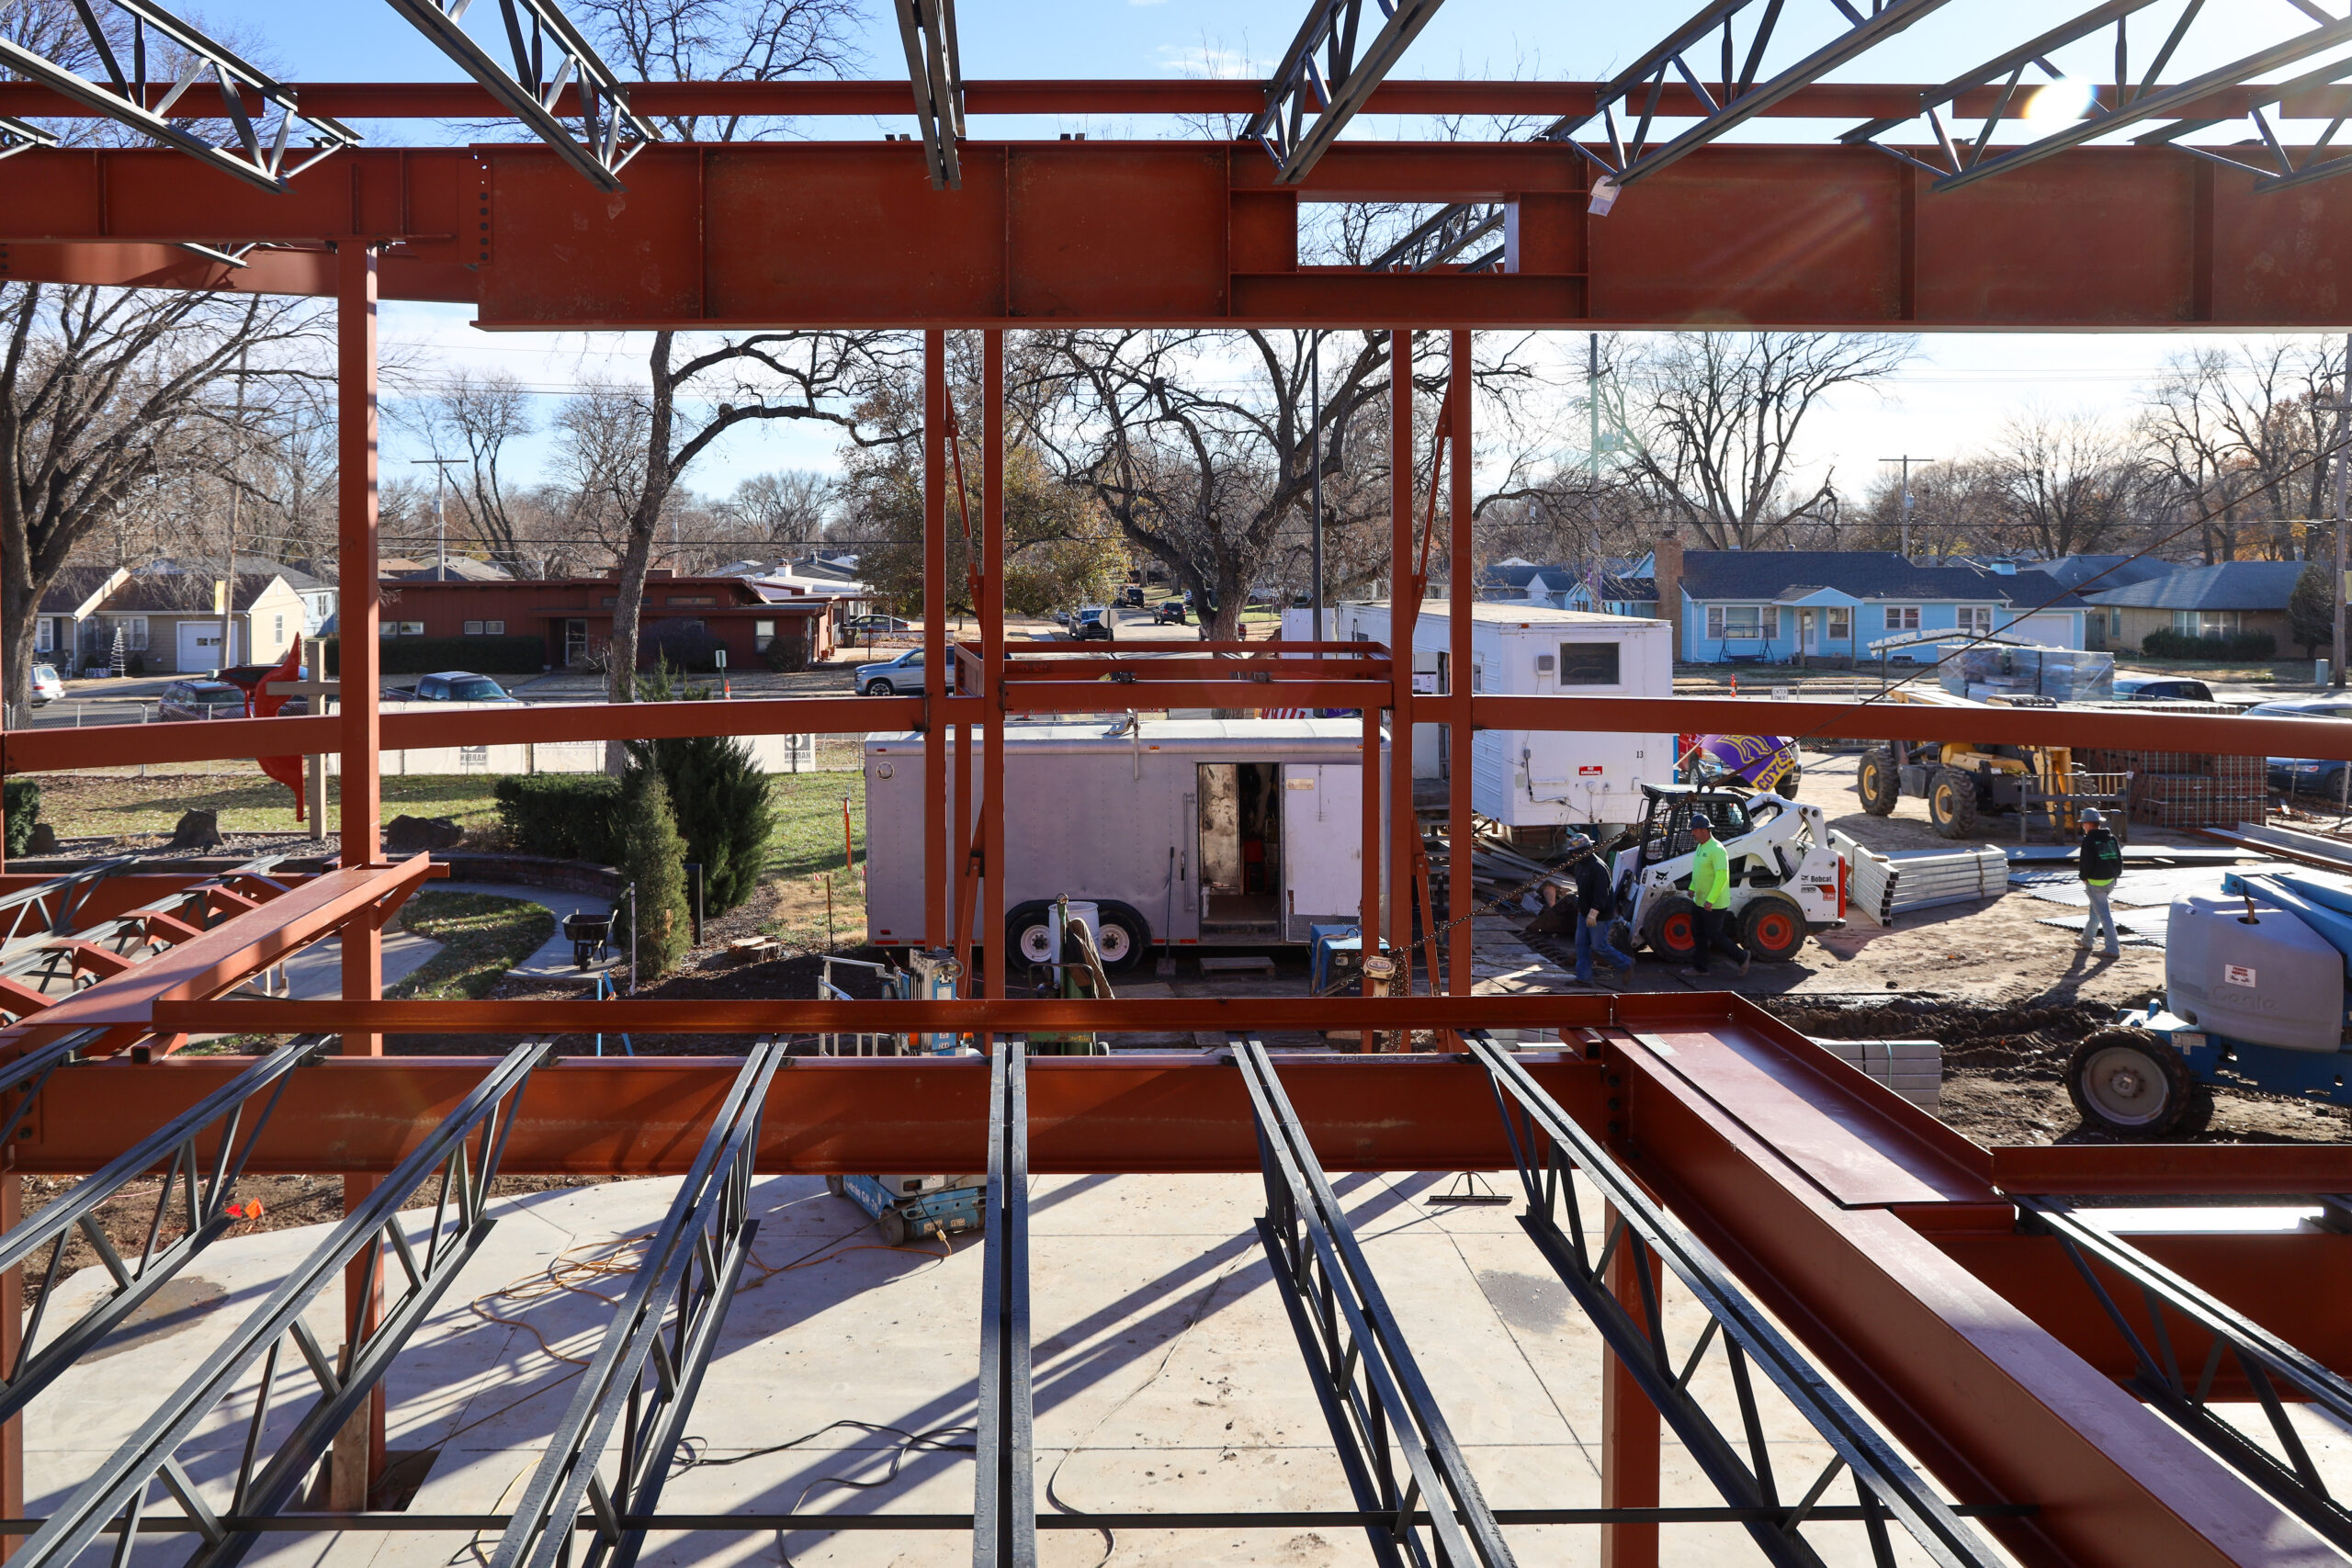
[
  {"x": 1123, "y": 939},
  {"x": 1773, "y": 928},
  {"x": 1673, "y": 928},
  {"x": 1029, "y": 934},
  {"x": 1952, "y": 803},
  {"x": 1878, "y": 783},
  {"x": 2130, "y": 1083}
]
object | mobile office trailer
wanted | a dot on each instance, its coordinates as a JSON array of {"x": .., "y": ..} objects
[
  {"x": 1534, "y": 778},
  {"x": 1190, "y": 832}
]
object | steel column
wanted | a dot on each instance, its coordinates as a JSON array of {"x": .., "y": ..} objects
[
  {"x": 1373, "y": 1395},
  {"x": 669, "y": 1324},
  {"x": 1461, "y": 593},
  {"x": 120, "y": 1487},
  {"x": 1629, "y": 1421},
  {"x": 992, "y": 657},
  {"x": 1403, "y": 610},
  {"x": 1368, "y": 921},
  {"x": 936, "y": 883},
  {"x": 1004, "y": 1504}
]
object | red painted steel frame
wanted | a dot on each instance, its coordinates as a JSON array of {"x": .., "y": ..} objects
[{"x": 850, "y": 233}]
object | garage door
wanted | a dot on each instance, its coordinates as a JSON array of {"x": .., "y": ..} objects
[
  {"x": 199, "y": 651},
  {"x": 2051, "y": 631}
]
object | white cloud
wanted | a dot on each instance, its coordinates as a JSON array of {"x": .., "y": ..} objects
[{"x": 1208, "y": 60}]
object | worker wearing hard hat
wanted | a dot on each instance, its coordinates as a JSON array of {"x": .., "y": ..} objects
[{"x": 1711, "y": 890}]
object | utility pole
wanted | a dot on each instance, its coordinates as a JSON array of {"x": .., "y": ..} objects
[
  {"x": 1907, "y": 460},
  {"x": 1315, "y": 482},
  {"x": 440, "y": 467}
]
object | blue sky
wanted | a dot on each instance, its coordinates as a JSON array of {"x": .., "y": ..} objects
[{"x": 1955, "y": 396}]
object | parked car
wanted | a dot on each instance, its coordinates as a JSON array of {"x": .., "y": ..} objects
[
  {"x": 904, "y": 673},
  {"x": 874, "y": 624},
  {"x": 201, "y": 699},
  {"x": 1132, "y": 596},
  {"x": 2140, "y": 688},
  {"x": 457, "y": 686},
  {"x": 1093, "y": 624},
  {"x": 47, "y": 687},
  {"x": 2321, "y": 776},
  {"x": 1172, "y": 612}
]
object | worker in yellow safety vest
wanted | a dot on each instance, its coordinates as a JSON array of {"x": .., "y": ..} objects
[{"x": 1711, "y": 890}]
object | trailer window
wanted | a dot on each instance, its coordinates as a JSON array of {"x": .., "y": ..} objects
[{"x": 1588, "y": 664}]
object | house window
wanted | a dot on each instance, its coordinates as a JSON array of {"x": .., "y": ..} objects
[
  {"x": 763, "y": 634},
  {"x": 493, "y": 628},
  {"x": 388, "y": 629},
  {"x": 1588, "y": 664},
  {"x": 2205, "y": 623},
  {"x": 693, "y": 599},
  {"x": 45, "y": 637},
  {"x": 411, "y": 628},
  {"x": 473, "y": 628},
  {"x": 278, "y": 628},
  {"x": 1736, "y": 623},
  {"x": 1903, "y": 617},
  {"x": 2115, "y": 622},
  {"x": 1841, "y": 626},
  {"x": 609, "y": 601},
  {"x": 1976, "y": 618},
  {"x": 134, "y": 630}
]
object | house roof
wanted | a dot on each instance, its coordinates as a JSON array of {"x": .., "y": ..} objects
[
  {"x": 2100, "y": 573},
  {"x": 1862, "y": 574},
  {"x": 1620, "y": 590},
  {"x": 71, "y": 590},
  {"x": 2231, "y": 585},
  {"x": 181, "y": 593},
  {"x": 456, "y": 568}
]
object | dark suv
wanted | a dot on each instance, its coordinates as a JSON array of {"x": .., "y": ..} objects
[{"x": 201, "y": 699}]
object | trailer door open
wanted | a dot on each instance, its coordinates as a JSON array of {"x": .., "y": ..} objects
[{"x": 1323, "y": 831}]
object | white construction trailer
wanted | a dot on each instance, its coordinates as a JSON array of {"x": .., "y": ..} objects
[
  {"x": 1532, "y": 778},
  {"x": 1189, "y": 833}
]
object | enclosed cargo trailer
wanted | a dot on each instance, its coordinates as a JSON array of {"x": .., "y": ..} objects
[{"x": 1188, "y": 834}]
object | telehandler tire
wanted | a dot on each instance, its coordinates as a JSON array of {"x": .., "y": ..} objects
[
  {"x": 1878, "y": 783},
  {"x": 1952, "y": 803}
]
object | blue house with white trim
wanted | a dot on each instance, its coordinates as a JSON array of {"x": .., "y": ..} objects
[{"x": 1784, "y": 606}]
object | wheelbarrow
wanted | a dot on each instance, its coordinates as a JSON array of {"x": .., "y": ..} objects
[{"x": 589, "y": 935}]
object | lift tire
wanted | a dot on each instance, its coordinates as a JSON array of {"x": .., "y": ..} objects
[
  {"x": 833, "y": 1185},
  {"x": 891, "y": 1225},
  {"x": 1674, "y": 929},
  {"x": 2129, "y": 1083},
  {"x": 1773, "y": 928},
  {"x": 1879, "y": 785},
  {"x": 1952, "y": 803}
]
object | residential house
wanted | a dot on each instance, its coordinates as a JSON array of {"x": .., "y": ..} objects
[
  {"x": 1612, "y": 592},
  {"x": 2062, "y": 583},
  {"x": 2203, "y": 600},
  {"x": 67, "y": 630},
  {"x": 447, "y": 566},
  {"x": 574, "y": 615},
  {"x": 171, "y": 618},
  {"x": 1789, "y": 606}
]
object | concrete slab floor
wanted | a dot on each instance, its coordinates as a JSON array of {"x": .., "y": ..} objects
[{"x": 1167, "y": 1377}]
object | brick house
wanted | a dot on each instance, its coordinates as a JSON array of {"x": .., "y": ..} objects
[{"x": 574, "y": 615}]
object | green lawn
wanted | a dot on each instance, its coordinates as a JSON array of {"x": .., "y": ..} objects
[
  {"x": 483, "y": 937},
  {"x": 807, "y": 852},
  {"x": 79, "y": 804}
]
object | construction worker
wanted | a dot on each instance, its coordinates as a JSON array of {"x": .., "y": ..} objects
[
  {"x": 1711, "y": 890},
  {"x": 1595, "y": 902},
  {"x": 2099, "y": 863}
]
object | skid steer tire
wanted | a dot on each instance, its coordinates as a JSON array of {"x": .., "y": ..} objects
[
  {"x": 1773, "y": 928},
  {"x": 1878, "y": 783},
  {"x": 1952, "y": 803},
  {"x": 2129, "y": 1084},
  {"x": 1674, "y": 933}
]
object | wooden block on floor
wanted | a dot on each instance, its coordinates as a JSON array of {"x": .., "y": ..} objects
[{"x": 1236, "y": 962}]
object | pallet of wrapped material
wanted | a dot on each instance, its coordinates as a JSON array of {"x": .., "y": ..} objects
[
  {"x": 1912, "y": 1069},
  {"x": 1870, "y": 880},
  {"x": 1931, "y": 878}
]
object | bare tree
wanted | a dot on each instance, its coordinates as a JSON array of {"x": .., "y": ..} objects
[
  {"x": 784, "y": 511},
  {"x": 2234, "y": 432},
  {"x": 103, "y": 393},
  {"x": 474, "y": 417},
  {"x": 1711, "y": 422},
  {"x": 2068, "y": 482}
]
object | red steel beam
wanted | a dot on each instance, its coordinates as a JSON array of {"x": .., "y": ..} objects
[
  {"x": 850, "y": 234},
  {"x": 229, "y": 954},
  {"x": 889, "y": 100},
  {"x": 2153, "y": 1170}
]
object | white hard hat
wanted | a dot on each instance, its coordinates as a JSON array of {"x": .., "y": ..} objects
[{"x": 2091, "y": 819}]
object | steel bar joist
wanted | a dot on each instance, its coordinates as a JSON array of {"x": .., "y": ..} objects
[
  {"x": 2270, "y": 1367},
  {"x": 927, "y": 28},
  {"x": 50, "y": 905},
  {"x": 551, "y": 61},
  {"x": 1960, "y": 155},
  {"x": 167, "y": 57},
  {"x": 1373, "y": 1395},
  {"x": 1736, "y": 95},
  {"x": 16, "y": 135},
  {"x": 1326, "y": 76},
  {"x": 193, "y": 1197},
  {"x": 464, "y": 1152},
  {"x": 2266, "y": 155},
  {"x": 1005, "y": 1502},
  {"x": 645, "y": 1375},
  {"x": 1551, "y": 1150}
]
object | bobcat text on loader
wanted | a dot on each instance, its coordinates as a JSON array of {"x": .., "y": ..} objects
[
  {"x": 2254, "y": 997},
  {"x": 1786, "y": 880}
]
